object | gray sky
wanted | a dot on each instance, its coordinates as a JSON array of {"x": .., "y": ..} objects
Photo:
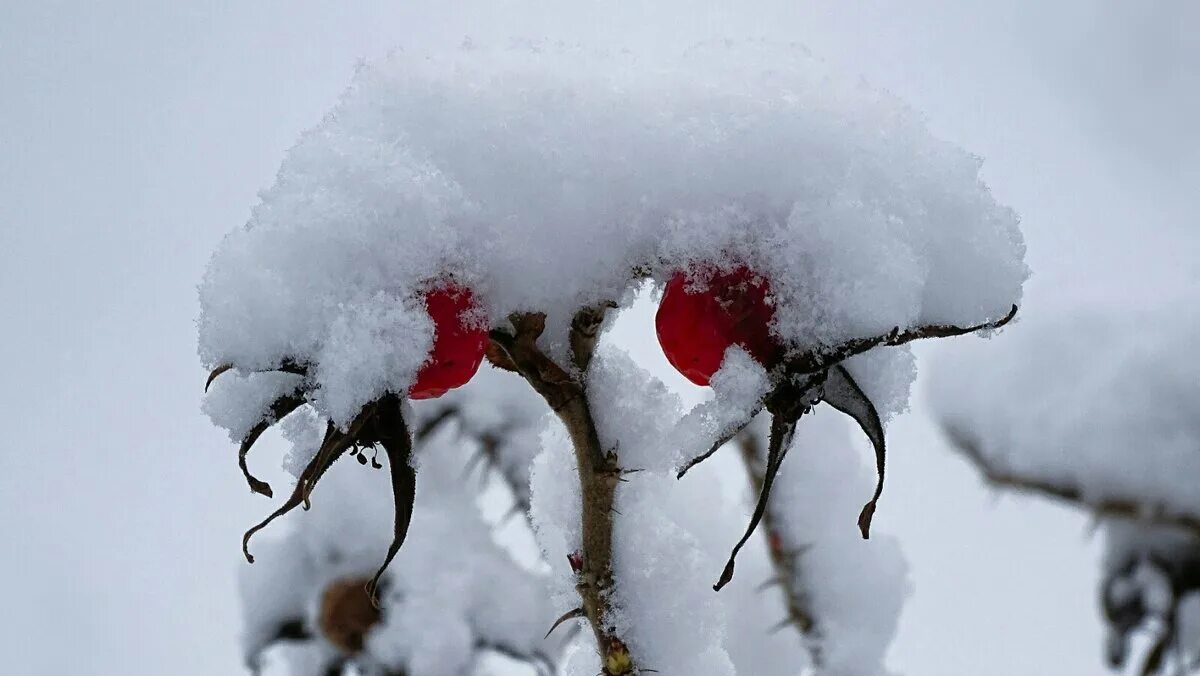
[{"x": 134, "y": 134}]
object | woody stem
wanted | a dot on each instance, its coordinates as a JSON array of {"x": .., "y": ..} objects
[{"x": 566, "y": 393}]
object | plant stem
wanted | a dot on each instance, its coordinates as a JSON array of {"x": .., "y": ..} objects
[{"x": 566, "y": 393}]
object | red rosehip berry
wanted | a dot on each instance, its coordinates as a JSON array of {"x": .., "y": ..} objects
[
  {"x": 459, "y": 342},
  {"x": 696, "y": 325}
]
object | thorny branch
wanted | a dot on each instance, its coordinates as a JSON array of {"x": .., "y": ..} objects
[
  {"x": 490, "y": 443},
  {"x": 566, "y": 393},
  {"x": 1124, "y": 508}
]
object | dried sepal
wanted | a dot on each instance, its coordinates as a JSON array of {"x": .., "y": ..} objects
[
  {"x": 721, "y": 441},
  {"x": 821, "y": 359},
  {"x": 392, "y": 432},
  {"x": 782, "y": 429},
  {"x": 842, "y": 393},
  {"x": 337, "y": 443},
  {"x": 280, "y": 409},
  {"x": 315, "y": 469}
]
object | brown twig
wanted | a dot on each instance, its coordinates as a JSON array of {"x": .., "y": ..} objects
[
  {"x": 599, "y": 474},
  {"x": 1105, "y": 507}
]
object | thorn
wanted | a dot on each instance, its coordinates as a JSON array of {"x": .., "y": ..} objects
[
  {"x": 782, "y": 624},
  {"x": 216, "y": 372},
  {"x": 569, "y": 615},
  {"x": 773, "y": 582},
  {"x": 864, "y": 519},
  {"x": 474, "y": 461},
  {"x": 516, "y": 509}
]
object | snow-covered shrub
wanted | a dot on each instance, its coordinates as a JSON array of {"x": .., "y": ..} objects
[
  {"x": 550, "y": 181},
  {"x": 1100, "y": 410}
]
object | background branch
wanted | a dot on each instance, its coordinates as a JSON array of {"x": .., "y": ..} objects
[{"x": 1106, "y": 507}]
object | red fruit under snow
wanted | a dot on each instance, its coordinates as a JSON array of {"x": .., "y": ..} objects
[
  {"x": 459, "y": 342},
  {"x": 697, "y": 322}
]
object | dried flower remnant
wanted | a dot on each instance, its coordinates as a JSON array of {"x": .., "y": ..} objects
[
  {"x": 347, "y": 614},
  {"x": 736, "y": 309},
  {"x": 457, "y": 351}
]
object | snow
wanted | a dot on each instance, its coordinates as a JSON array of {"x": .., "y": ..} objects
[
  {"x": 555, "y": 513},
  {"x": 239, "y": 402},
  {"x": 1090, "y": 399},
  {"x": 470, "y": 163},
  {"x": 506, "y": 416}
]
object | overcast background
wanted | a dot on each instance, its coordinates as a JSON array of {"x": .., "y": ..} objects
[{"x": 133, "y": 135}]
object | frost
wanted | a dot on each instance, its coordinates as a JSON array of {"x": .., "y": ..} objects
[
  {"x": 666, "y": 556},
  {"x": 665, "y": 575}
]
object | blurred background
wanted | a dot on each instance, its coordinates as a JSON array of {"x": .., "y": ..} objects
[{"x": 133, "y": 135}]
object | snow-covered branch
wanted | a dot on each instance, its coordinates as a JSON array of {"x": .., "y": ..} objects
[
  {"x": 1099, "y": 410},
  {"x": 1146, "y": 509}
]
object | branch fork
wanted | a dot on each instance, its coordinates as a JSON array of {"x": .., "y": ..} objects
[{"x": 565, "y": 390}]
